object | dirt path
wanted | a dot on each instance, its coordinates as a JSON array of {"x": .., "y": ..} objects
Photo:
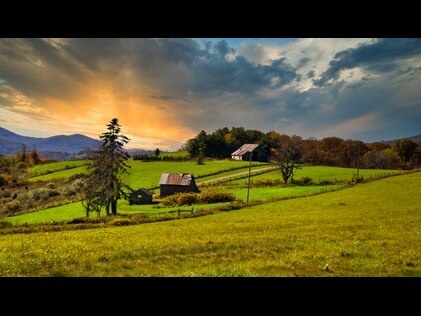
[{"x": 235, "y": 175}]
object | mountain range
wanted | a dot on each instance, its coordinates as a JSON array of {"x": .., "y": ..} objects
[
  {"x": 71, "y": 144},
  {"x": 60, "y": 147}
]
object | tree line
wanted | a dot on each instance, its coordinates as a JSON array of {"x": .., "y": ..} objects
[{"x": 330, "y": 151}]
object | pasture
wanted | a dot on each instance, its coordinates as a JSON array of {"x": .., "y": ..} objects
[{"x": 371, "y": 229}]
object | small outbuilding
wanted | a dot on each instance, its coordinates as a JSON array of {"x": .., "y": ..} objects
[
  {"x": 171, "y": 183},
  {"x": 140, "y": 196}
]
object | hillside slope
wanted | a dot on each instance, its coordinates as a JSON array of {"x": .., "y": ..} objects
[{"x": 362, "y": 231}]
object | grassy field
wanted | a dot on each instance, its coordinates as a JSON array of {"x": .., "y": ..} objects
[
  {"x": 56, "y": 166},
  {"x": 147, "y": 174},
  {"x": 63, "y": 174},
  {"x": 320, "y": 173},
  {"x": 73, "y": 210},
  {"x": 371, "y": 229},
  {"x": 270, "y": 192}
]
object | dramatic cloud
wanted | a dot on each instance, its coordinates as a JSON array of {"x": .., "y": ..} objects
[
  {"x": 164, "y": 91},
  {"x": 382, "y": 56}
]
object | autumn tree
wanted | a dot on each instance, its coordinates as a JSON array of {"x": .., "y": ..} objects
[
  {"x": 406, "y": 149},
  {"x": 105, "y": 174},
  {"x": 34, "y": 157}
]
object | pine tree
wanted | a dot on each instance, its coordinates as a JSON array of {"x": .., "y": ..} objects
[{"x": 104, "y": 181}]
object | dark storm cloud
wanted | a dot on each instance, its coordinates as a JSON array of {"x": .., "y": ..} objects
[
  {"x": 210, "y": 71},
  {"x": 381, "y": 56},
  {"x": 37, "y": 69}
]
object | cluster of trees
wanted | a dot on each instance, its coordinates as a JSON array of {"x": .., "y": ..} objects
[
  {"x": 221, "y": 143},
  {"x": 331, "y": 151},
  {"x": 12, "y": 166}
]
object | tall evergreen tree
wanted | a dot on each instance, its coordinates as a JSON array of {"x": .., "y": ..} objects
[{"x": 105, "y": 178}]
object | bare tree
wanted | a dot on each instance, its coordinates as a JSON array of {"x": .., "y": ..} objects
[{"x": 286, "y": 157}]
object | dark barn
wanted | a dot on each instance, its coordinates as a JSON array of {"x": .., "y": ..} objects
[
  {"x": 140, "y": 196},
  {"x": 177, "y": 182}
]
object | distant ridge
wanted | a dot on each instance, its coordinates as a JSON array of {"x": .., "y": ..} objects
[
  {"x": 416, "y": 138},
  {"x": 71, "y": 144}
]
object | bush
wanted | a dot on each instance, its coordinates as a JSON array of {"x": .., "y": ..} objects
[
  {"x": 187, "y": 199},
  {"x": 5, "y": 194},
  {"x": 12, "y": 207},
  {"x": 120, "y": 222},
  {"x": 209, "y": 197},
  {"x": 302, "y": 181},
  {"x": 77, "y": 176},
  {"x": 51, "y": 185},
  {"x": 3, "y": 181},
  {"x": 180, "y": 199},
  {"x": 5, "y": 224},
  {"x": 40, "y": 194},
  {"x": 326, "y": 182},
  {"x": 69, "y": 191},
  {"x": 53, "y": 193}
]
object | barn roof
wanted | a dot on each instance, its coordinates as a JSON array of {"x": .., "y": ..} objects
[
  {"x": 144, "y": 191},
  {"x": 182, "y": 179},
  {"x": 246, "y": 148}
]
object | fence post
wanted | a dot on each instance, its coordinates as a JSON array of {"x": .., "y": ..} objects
[{"x": 178, "y": 211}]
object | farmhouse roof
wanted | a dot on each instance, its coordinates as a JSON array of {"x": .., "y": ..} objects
[
  {"x": 246, "y": 148},
  {"x": 182, "y": 179}
]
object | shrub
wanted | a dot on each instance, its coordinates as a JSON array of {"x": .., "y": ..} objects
[
  {"x": 12, "y": 207},
  {"x": 170, "y": 200},
  {"x": 69, "y": 191},
  {"x": 231, "y": 206},
  {"x": 76, "y": 176},
  {"x": 209, "y": 197},
  {"x": 5, "y": 224},
  {"x": 40, "y": 194},
  {"x": 51, "y": 185},
  {"x": 3, "y": 181},
  {"x": 302, "y": 181},
  {"x": 187, "y": 199},
  {"x": 5, "y": 194},
  {"x": 326, "y": 182},
  {"x": 53, "y": 193},
  {"x": 120, "y": 222},
  {"x": 180, "y": 199}
]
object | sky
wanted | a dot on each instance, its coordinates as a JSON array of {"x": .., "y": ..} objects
[{"x": 166, "y": 90}]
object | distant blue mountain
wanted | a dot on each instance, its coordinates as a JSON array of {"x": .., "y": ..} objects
[{"x": 72, "y": 144}]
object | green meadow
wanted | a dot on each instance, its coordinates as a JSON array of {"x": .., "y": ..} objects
[
  {"x": 147, "y": 174},
  {"x": 323, "y": 173},
  {"x": 370, "y": 229}
]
